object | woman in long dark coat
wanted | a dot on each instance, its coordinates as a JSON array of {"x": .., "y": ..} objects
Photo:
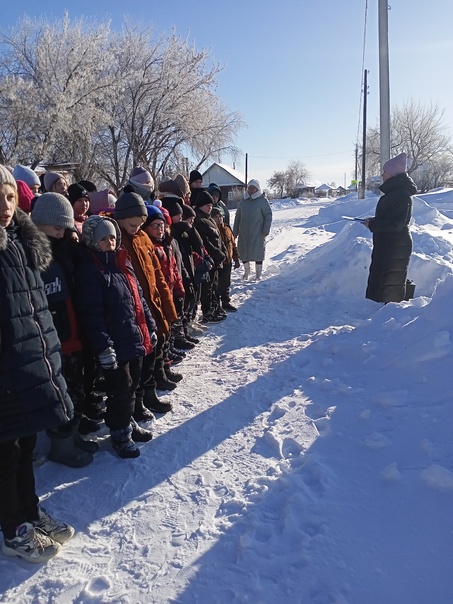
[
  {"x": 33, "y": 394},
  {"x": 392, "y": 241}
]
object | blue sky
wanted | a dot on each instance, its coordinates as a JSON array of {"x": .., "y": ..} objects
[{"x": 293, "y": 68}]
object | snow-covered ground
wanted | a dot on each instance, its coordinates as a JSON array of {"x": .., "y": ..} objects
[{"x": 309, "y": 457}]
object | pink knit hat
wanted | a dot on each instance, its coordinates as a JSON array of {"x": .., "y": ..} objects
[{"x": 396, "y": 165}]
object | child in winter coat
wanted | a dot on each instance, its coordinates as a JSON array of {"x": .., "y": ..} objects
[
  {"x": 223, "y": 286},
  {"x": 33, "y": 395},
  {"x": 117, "y": 325},
  {"x": 80, "y": 201}
]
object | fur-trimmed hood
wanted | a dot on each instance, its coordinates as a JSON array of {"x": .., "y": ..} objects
[{"x": 35, "y": 242}]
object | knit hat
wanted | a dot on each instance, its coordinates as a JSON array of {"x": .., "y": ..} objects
[
  {"x": 27, "y": 175},
  {"x": 75, "y": 192},
  {"x": 154, "y": 213},
  {"x": 254, "y": 183},
  {"x": 130, "y": 205},
  {"x": 174, "y": 209},
  {"x": 88, "y": 185},
  {"x": 217, "y": 212},
  {"x": 53, "y": 209},
  {"x": 202, "y": 199},
  {"x": 24, "y": 196},
  {"x": 166, "y": 215},
  {"x": 187, "y": 212},
  {"x": 182, "y": 183},
  {"x": 194, "y": 175},
  {"x": 170, "y": 186},
  {"x": 142, "y": 176},
  {"x": 213, "y": 188},
  {"x": 103, "y": 229},
  {"x": 6, "y": 178},
  {"x": 50, "y": 178},
  {"x": 396, "y": 165}
]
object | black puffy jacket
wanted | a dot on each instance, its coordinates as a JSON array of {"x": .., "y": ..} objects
[
  {"x": 392, "y": 242},
  {"x": 33, "y": 394}
]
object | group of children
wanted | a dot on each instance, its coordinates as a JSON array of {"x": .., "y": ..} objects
[{"x": 122, "y": 281}]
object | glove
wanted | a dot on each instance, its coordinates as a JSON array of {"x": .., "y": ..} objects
[
  {"x": 107, "y": 359},
  {"x": 154, "y": 339},
  {"x": 237, "y": 264}
]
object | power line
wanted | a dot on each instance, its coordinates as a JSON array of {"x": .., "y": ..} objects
[
  {"x": 362, "y": 91},
  {"x": 299, "y": 156}
]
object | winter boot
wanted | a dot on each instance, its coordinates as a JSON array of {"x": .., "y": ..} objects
[
  {"x": 183, "y": 344},
  {"x": 246, "y": 274},
  {"x": 172, "y": 375},
  {"x": 123, "y": 444},
  {"x": 258, "y": 271},
  {"x": 141, "y": 413},
  {"x": 229, "y": 307},
  {"x": 151, "y": 401},
  {"x": 89, "y": 446},
  {"x": 63, "y": 450},
  {"x": 139, "y": 434}
]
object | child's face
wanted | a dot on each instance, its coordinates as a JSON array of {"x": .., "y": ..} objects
[
  {"x": 81, "y": 206},
  {"x": 52, "y": 231},
  {"x": 156, "y": 230},
  {"x": 7, "y": 204},
  {"x": 131, "y": 225},
  {"x": 218, "y": 219},
  {"x": 107, "y": 243},
  {"x": 60, "y": 186}
]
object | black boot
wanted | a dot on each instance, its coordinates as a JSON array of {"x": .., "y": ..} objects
[
  {"x": 172, "y": 375},
  {"x": 63, "y": 449},
  {"x": 141, "y": 413},
  {"x": 139, "y": 434},
  {"x": 151, "y": 401}
]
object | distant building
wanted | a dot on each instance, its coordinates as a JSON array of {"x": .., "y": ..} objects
[
  {"x": 325, "y": 190},
  {"x": 230, "y": 181}
]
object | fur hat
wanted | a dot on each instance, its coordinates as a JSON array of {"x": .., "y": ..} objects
[
  {"x": 142, "y": 176},
  {"x": 202, "y": 199},
  {"x": 24, "y": 196},
  {"x": 6, "y": 178},
  {"x": 194, "y": 175},
  {"x": 171, "y": 186},
  {"x": 396, "y": 165},
  {"x": 182, "y": 183},
  {"x": 254, "y": 183},
  {"x": 187, "y": 212},
  {"x": 53, "y": 209},
  {"x": 130, "y": 205},
  {"x": 76, "y": 191},
  {"x": 27, "y": 175},
  {"x": 50, "y": 178}
]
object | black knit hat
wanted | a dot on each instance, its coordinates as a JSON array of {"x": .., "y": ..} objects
[
  {"x": 194, "y": 175},
  {"x": 171, "y": 186},
  {"x": 202, "y": 199},
  {"x": 187, "y": 212},
  {"x": 129, "y": 205},
  {"x": 88, "y": 185},
  {"x": 75, "y": 192}
]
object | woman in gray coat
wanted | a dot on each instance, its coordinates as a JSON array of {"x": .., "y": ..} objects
[{"x": 252, "y": 224}]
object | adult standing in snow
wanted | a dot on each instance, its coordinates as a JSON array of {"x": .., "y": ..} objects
[
  {"x": 33, "y": 394},
  {"x": 252, "y": 224},
  {"x": 392, "y": 241}
]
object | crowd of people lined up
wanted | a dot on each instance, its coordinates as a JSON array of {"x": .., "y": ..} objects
[{"x": 100, "y": 300}]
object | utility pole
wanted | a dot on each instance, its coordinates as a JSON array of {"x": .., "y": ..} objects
[
  {"x": 246, "y": 168},
  {"x": 384, "y": 86},
  {"x": 365, "y": 95}
]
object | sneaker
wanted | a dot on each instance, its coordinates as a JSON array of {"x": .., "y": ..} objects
[
  {"x": 195, "y": 331},
  {"x": 174, "y": 357},
  {"x": 229, "y": 307},
  {"x": 183, "y": 344},
  {"x": 56, "y": 530},
  {"x": 198, "y": 325},
  {"x": 31, "y": 544}
]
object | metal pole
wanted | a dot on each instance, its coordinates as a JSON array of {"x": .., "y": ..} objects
[
  {"x": 246, "y": 167},
  {"x": 384, "y": 86},
  {"x": 365, "y": 95}
]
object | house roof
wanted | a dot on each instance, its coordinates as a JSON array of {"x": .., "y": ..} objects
[
  {"x": 223, "y": 176},
  {"x": 324, "y": 187}
]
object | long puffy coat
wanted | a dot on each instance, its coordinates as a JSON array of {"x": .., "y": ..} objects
[
  {"x": 252, "y": 224},
  {"x": 33, "y": 394},
  {"x": 392, "y": 242}
]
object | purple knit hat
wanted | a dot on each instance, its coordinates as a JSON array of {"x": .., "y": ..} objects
[{"x": 396, "y": 165}]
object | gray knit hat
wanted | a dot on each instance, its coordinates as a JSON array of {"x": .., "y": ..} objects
[
  {"x": 103, "y": 229},
  {"x": 50, "y": 178},
  {"x": 129, "y": 205},
  {"x": 53, "y": 209},
  {"x": 27, "y": 175},
  {"x": 6, "y": 178}
]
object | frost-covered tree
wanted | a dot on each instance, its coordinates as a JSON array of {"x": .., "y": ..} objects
[{"x": 289, "y": 181}]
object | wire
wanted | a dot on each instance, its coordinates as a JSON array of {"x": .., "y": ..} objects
[
  {"x": 299, "y": 156},
  {"x": 362, "y": 83}
]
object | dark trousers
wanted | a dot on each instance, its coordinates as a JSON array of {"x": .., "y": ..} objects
[
  {"x": 147, "y": 379},
  {"x": 208, "y": 292},
  {"x": 120, "y": 387},
  {"x": 18, "y": 499},
  {"x": 223, "y": 287}
]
